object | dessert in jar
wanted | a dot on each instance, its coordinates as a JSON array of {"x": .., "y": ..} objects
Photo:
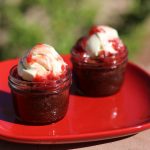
[
  {"x": 40, "y": 86},
  {"x": 99, "y": 62}
]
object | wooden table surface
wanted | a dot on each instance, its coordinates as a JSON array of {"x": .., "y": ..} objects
[{"x": 140, "y": 141}]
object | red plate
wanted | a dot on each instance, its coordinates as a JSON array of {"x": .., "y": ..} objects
[{"x": 88, "y": 119}]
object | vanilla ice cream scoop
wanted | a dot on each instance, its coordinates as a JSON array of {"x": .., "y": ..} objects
[
  {"x": 99, "y": 40},
  {"x": 42, "y": 62}
]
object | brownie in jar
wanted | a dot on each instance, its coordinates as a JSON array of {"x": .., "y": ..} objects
[
  {"x": 99, "y": 62},
  {"x": 40, "y": 84}
]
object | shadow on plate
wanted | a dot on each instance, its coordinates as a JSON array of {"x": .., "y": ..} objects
[
  {"x": 7, "y": 112},
  {"x": 74, "y": 90},
  {"x": 6, "y": 107}
]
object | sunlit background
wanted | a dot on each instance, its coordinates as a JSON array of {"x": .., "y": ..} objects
[{"x": 23, "y": 23}]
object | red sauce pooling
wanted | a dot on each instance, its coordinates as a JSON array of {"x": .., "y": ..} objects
[
  {"x": 96, "y": 29},
  {"x": 39, "y": 78},
  {"x": 63, "y": 68},
  {"x": 117, "y": 44},
  {"x": 29, "y": 58},
  {"x": 39, "y": 44},
  {"x": 52, "y": 77},
  {"x": 45, "y": 78},
  {"x": 104, "y": 56}
]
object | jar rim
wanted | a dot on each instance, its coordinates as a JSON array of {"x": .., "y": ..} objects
[
  {"x": 114, "y": 60},
  {"x": 51, "y": 83}
]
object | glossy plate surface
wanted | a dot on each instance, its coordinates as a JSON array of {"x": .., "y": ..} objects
[{"x": 88, "y": 119}]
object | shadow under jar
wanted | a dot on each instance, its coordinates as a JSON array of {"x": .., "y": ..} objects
[
  {"x": 99, "y": 76},
  {"x": 40, "y": 102}
]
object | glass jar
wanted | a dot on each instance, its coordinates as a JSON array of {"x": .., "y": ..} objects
[
  {"x": 101, "y": 76},
  {"x": 39, "y": 102}
]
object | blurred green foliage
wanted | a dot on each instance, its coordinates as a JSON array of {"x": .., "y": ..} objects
[
  {"x": 60, "y": 23},
  {"x": 66, "y": 20},
  {"x": 133, "y": 29}
]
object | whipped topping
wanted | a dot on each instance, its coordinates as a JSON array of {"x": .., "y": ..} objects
[
  {"x": 99, "y": 40},
  {"x": 42, "y": 62}
]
